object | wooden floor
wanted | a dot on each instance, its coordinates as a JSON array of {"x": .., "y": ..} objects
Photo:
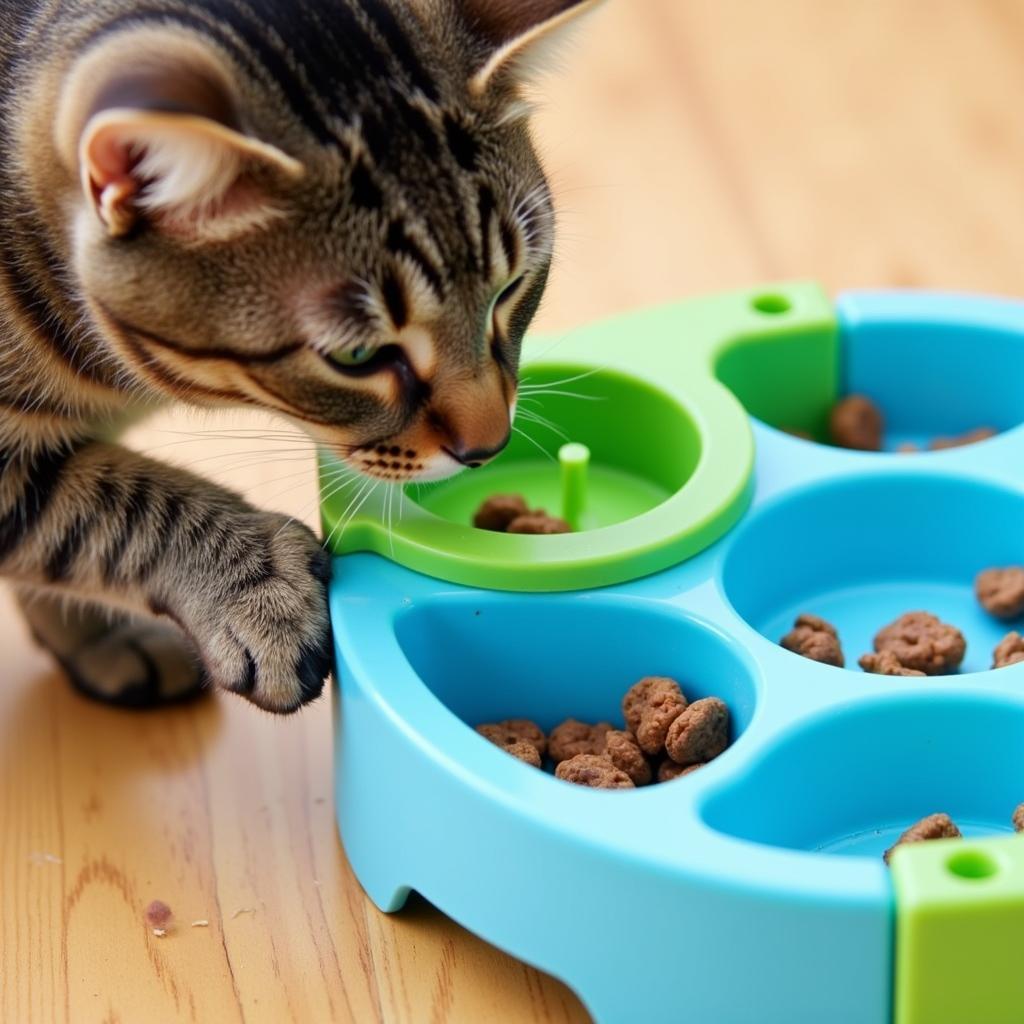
[{"x": 696, "y": 145}]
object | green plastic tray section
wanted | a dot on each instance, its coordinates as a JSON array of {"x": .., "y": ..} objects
[
  {"x": 960, "y": 932},
  {"x": 661, "y": 399}
]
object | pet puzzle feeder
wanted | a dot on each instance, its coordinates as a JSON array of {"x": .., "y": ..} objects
[{"x": 752, "y": 891}]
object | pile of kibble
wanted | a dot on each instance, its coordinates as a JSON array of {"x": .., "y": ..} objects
[
  {"x": 666, "y": 737},
  {"x": 509, "y": 513},
  {"x": 856, "y": 422},
  {"x": 919, "y": 643}
]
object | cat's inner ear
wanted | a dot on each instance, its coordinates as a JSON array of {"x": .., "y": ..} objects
[
  {"x": 160, "y": 141},
  {"x": 190, "y": 175},
  {"x": 521, "y": 36}
]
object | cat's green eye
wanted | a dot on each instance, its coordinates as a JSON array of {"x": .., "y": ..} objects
[{"x": 356, "y": 356}]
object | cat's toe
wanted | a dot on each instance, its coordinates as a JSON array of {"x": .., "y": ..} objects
[{"x": 136, "y": 665}]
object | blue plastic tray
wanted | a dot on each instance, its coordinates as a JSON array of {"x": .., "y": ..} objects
[{"x": 752, "y": 890}]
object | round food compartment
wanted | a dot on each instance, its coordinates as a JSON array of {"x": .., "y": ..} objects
[
  {"x": 938, "y": 366},
  {"x": 645, "y": 476},
  {"x": 851, "y": 782},
  {"x": 862, "y": 551},
  {"x": 551, "y": 659},
  {"x": 643, "y": 448},
  {"x": 940, "y": 369}
]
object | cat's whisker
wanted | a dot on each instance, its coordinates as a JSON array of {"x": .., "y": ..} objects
[
  {"x": 265, "y": 455},
  {"x": 364, "y": 489},
  {"x": 391, "y": 527},
  {"x": 532, "y": 417},
  {"x": 329, "y": 487},
  {"x": 308, "y": 506},
  {"x": 346, "y": 521},
  {"x": 571, "y": 394},
  {"x": 525, "y": 383},
  {"x": 534, "y": 442}
]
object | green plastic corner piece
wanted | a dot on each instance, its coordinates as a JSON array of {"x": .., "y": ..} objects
[
  {"x": 960, "y": 932},
  {"x": 661, "y": 400}
]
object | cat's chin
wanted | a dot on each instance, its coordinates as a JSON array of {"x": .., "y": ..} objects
[{"x": 438, "y": 467}]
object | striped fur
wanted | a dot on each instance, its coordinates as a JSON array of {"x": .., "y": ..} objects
[{"x": 330, "y": 209}]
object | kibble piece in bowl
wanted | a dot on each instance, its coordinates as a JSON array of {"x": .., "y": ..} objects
[
  {"x": 700, "y": 733},
  {"x": 920, "y": 640},
  {"x": 935, "y": 826},
  {"x": 622, "y": 750},
  {"x": 593, "y": 770},
  {"x": 856, "y": 422},
  {"x": 1009, "y": 651},
  {"x": 812, "y": 637},
  {"x": 886, "y": 663},
  {"x": 525, "y": 752},
  {"x": 497, "y": 513},
  {"x": 650, "y": 707},
  {"x": 539, "y": 523},
  {"x": 573, "y": 737},
  {"x": 1018, "y": 818},
  {"x": 939, "y": 444},
  {"x": 1001, "y": 591},
  {"x": 515, "y": 730},
  {"x": 669, "y": 770}
]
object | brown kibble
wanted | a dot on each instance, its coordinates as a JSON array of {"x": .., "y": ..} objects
[
  {"x": 623, "y": 751},
  {"x": 971, "y": 437},
  {"x": 920, "y": 640},
  {"x": 650, "y": 707},
  {"x": 158, "y": 915},
  {"x": 499, "y": 511},
  {"x": 700, "y": 733},
  {"x": 1009, "y": 651},
  {"x": 513, "y": 730},
  {"x": 935, "y": 826},
  {"x": 856, "y": 422},
  {"x": 523, "y": 751},
  {"x": 886, "y": 664},
  {"x": 538, "y": 523},
  {"x": 812, "y": 637},
  {"x": 593, "y": 770},
  {"x": 1018, "y": 818},
  {"x": 573, "y": 737},
  {"x": 1001, "y": 591},
  {"x": 669, "y": 771}
]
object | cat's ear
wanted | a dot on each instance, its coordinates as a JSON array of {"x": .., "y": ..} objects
[
  {"x": 159, "y": 140},
  {"x": 520, "y": 35}
]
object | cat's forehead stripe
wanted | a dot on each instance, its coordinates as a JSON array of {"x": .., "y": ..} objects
[{"x": 399, "y": 243}]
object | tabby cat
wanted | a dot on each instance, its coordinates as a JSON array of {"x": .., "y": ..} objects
[{"x": 330, "y": 209}]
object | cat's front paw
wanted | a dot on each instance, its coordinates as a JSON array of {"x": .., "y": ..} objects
[{"x": 269, "y": 637}]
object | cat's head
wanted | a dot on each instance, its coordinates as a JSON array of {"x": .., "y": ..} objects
[{"x": 331, "y": 209}]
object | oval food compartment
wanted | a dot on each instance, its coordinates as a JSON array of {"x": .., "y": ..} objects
[
  {"x": 861, "y": 551},
  {"x": 488, "y": 658},
  {"x": 850, "y": 782}
]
